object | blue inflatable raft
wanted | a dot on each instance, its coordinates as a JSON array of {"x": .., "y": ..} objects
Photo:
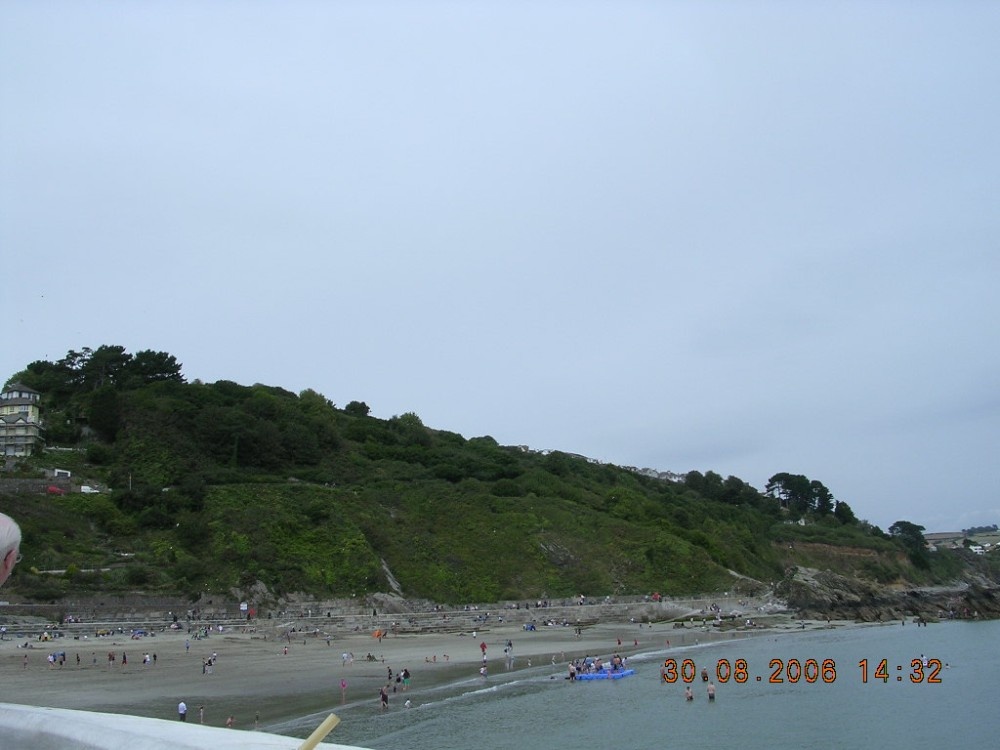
[{"x": 606, "y": 674}]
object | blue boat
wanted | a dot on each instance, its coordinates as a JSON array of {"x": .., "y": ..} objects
[{"x": 606, "y": 674}]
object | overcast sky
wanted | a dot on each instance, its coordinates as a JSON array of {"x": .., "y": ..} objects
[{"x": 740, "y": 237}]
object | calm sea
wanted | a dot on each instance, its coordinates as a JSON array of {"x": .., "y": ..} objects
[{"x": 540, "y": 709}]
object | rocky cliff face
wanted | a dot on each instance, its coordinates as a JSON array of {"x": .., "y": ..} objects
[{"x": 818, "y": 594}]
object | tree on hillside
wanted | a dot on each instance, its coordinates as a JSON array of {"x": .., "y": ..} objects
[
  {"x": 152, "y": 367},
  {"x": 315, "y": 404},
  {"x": 52, "y": 379},
  {"x": 709, "y": 484},
  {"x": 107, "y": 365},
  {"x": 800, "y": 494},
  {"x": 822, "y": 498},
  {"x": 410, "y": 429},
  {"x": 357, "y": 409},
  {"x": 911, "y": 536},
  {"x": 843, "y": 513},
  {"x": 695, "y": 480},
  {"x": 87, "y": 370},
  {"x": 793, "y": 491},
  {"x": 735, "y": 491}
]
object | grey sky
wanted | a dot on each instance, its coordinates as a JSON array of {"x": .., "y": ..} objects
[{"x": 739, "y": 237}]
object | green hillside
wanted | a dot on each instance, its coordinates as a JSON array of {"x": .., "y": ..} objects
[{"x": 216, "y": 487}]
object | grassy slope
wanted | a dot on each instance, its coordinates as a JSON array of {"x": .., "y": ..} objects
[{"x": 231, "y": 485}]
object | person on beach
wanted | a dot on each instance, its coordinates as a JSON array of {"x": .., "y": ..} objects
[
  {"x": 343, "y": 691},
  {"x": 383, "y": 696},
  {"x": 10, "y": 546},
  {"x": 182, "y": 711}
]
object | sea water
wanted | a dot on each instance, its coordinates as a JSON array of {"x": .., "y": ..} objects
[{"x": 800, "y": 690}]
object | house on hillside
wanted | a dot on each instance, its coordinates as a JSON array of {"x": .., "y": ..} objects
[
  {"x": 936, "y": 540},
  {"x": 21, "y": 428}
]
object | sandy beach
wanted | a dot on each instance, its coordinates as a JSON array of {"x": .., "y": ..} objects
[{"x": 263, "y": 680}]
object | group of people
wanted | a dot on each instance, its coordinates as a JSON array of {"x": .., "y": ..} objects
[
  {"x": 402, "y": 683},
  {"x": 689, "y": 695},
  {"x": 182, "y": 710},
  {"x": 402, "y": 679},
  {"x": 592, "y": 665}
]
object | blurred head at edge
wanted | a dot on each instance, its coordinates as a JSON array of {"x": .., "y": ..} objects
[{"x": 10, "y": 544}]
